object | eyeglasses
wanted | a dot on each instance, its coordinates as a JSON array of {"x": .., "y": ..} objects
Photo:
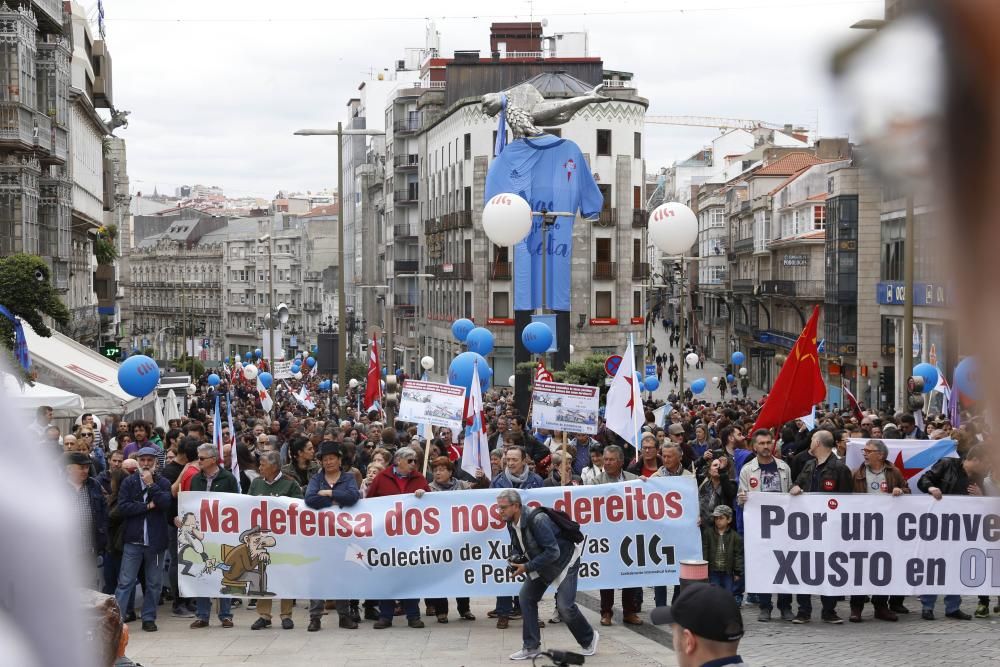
[
  {"x": 205, "y": 458},
  {"x": 411, "y": 460},
  {"x": 87, "y": 435},
  {"x": 870, "y": 451}
]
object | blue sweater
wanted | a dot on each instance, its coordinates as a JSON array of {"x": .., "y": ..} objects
[{"x": 345, "y": 491}]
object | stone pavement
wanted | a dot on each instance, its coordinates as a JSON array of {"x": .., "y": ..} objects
[
  {"x": 691, "y": 373},
  {"x": 911, "y": 641}
]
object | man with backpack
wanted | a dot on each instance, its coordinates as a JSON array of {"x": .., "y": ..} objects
[{"x": 545, "y": 548}]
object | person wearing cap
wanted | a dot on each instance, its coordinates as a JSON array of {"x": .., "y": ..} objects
[
  {"x": 722, "y": 547},
  {"x": 707, "y": 627},
  {"x": 331, "y": 486},
  {"x": 143, "y": 500},
  {"x": 91, "y": 510}
]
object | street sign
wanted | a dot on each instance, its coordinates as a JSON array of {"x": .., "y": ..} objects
[
  {"x": 612, "y": 363},
  {"x": 111, "y": 351},
  {"x": 650, "y": 369}
]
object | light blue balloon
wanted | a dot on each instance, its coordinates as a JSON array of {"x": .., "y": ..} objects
[
  {"x": 310, "y": 362},
  {"x": 652, "y": 384},
  {"x": 929, "y": 373},
  {"x": 730, "y": 378},
  {"x": 698, "y": 386},
  {"x": 249, "y": 356},
  {"x": 138, "y": 375},
  {"x": 967, "y": 378},
  {"x": 537, "y": 337},
  {"x": 258, "y": 353},
  {"x": 460, "y": 369},
  {"x": 214, "y": 380},
  {"x": 480, "y": 340},
  {"x": 739, "y": 358},
  {"x": 266, "y": 379},
  {"x": 460, "y": 328}
]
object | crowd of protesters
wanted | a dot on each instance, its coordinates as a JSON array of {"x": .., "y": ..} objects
[{"x": 126, "y": 477}]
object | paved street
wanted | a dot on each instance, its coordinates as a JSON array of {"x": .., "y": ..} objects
[
  {"x": 691, "y": 373},
  {"x": 912, "y": 641}
]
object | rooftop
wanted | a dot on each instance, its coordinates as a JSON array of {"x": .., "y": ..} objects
[{"x": 789, "y": 164}]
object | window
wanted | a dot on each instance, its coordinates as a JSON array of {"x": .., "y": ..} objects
[
  {"x": 604, "y": 142},
  {"x": 717, "y": 218},
  {"x": 467, "y": 139},
  {"x": 637, "y": 145},
  {"x": 637, "y": 197},
  {"x": 602, "y": 304},
  {"x": 819, "y": 217},
  {"x": 468, "y": 305},
  {"x": 501, "y": 304},
  {"x": 602, "y": 249},
  {"x": 636, "y": 304}
]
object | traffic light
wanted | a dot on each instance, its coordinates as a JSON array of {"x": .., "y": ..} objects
[{"x": 915, "y": 394}]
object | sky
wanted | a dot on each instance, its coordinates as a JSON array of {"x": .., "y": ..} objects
[{"x": 217, "y": 87}]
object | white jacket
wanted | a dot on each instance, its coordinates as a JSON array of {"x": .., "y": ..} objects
[{"x": 750, "y": 476}]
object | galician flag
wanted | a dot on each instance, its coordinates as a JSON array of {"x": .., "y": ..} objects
[
  {"x": 476, "y": 453},
  {"x": 623, "y": 410},
  {"x": 304, "y": 399},
  {"x": 910, "y": 457},
  {"x": 265, "y": 398}
]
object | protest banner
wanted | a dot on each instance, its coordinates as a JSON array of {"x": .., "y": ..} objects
[
  {"x": 912, "y": 458},
  {"x": 432, "y": 403},
  {"x": 282, "y": 370},
  {"x": 564, "y": 407},
  {"x": 871, "y": 544},
  {"x": 442, "y": 545}
]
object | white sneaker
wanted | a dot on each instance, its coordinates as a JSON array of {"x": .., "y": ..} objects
[
  {"x": 526, "y": 654},
  {"x": 592, "y": 649}
]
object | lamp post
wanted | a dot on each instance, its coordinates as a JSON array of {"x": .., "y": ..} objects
[
  {"x": 340, "y": 133},
  {"x": 673, "y": 228}
]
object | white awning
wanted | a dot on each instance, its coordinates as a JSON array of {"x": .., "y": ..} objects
[
  {"x": 65, "y": 364},
  {"x": 27, "y": 397}
]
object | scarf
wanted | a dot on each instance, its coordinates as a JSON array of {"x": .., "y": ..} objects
[
  {"x": 445, "y": 487},
  {"x": 514, "y": 479}
]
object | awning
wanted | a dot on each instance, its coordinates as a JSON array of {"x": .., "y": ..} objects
[
  {"x": 28, "y": 397},
  {"x": 65, "y": 364}
]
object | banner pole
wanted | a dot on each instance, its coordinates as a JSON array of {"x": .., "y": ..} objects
[{"x": 427, "y": 448}]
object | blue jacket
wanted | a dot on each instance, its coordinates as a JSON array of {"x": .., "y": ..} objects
[
  {"x": 547, "y": 551},
  {"x": 345, "y": 491},
  {"x": 532, "y": 482},
  {"x": 132, "y": 501}
]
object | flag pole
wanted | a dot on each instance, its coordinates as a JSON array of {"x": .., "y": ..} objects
[
  {"x": 427, "y": 449},
  {"x": 635, "y": 392}
]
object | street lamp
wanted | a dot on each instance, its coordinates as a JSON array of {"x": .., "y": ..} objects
[
  {"x": 673, "y": 228},
  {"x": 340, "y": 132},
  {"x": 275, "y": 314}
]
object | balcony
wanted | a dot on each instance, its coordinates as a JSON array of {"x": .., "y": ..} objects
[
  {"x": 605, "y": 270},
  {"x": 406, "y": 162},
  {"x": 457, "y": 220},
  {"x": 608, "y": 217},
  {"x": 459, "y": 271},
  {"x": 405, "y": 311},
  {"x": 500, "y": 270},
  {"x": 406, "y": 127},
  {"x": 51, "y": 9},
  {"x": 18, "y": 129},
  {"x": 406, "y": 266},
  {"x": 43, "y": 132},
  {"x": 640, "y": 218},
  {"x": 407, "y": 196},
  {"x": 404, "y": 231},
  {"x": 802, "y": 289},
  {"x": 312, "y": 307},
  {"x": 743, "y": 245},
  {"x": 640, "y": 271},
  {"x": 743, "y": 286}
]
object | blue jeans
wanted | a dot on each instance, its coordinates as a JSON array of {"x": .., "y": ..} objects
[
  {"x": 203, "y": 608},
  {"x": 951, "y": 602},
  {"x": 722, "y": 580},
  {"x": 133, "y": 556},
  {"x": 532, "y": 591},
  {"x": 506, "y": 605},
  {"x": 387, "y": 608},
  {"x": 784, "y": 601}
]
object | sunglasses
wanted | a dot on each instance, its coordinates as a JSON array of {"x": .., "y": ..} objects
[
  {"x": 205, "y": 458},
  {"x": 411, "y": 460},
  {"x": 87, "y": 435}
]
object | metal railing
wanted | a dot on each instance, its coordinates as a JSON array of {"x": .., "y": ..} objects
[
  {"x": 605, "y": 270},
  {"x": 404, "y": 230},
  {"x": 405, "y": 311},
  {"x": 608, "y": 217},
  {"x": 743, "y": 285},
  {"x": 804, "y": 289},
  {"x": 640, "y": 271},
  {"x": 406, "y": 265},
  {"x": 500, "y": 270},
  {"x": 408, "y": 126},
  {"x": 17, "y": 124},
  {"x": 744, "y": 245},
  {"x": 406, "y": 161},
  {"x": 407, "y": 196},
  {"x": 640, "y": 218},
  {"x": 616, "y": 83}
]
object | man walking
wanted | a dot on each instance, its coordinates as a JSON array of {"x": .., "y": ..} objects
[{"x": 545, "y": 556}]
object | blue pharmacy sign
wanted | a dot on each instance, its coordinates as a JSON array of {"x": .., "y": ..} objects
[{"x": 893, "y": 293}]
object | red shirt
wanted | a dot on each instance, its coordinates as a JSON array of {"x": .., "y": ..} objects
[
  {"x": 186, "y": 476},
  {"x": 646, "y": 472}
]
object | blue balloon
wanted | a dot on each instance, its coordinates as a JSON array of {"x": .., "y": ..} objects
[
  {"x": 324, "y": 385},
  {"x": 929, "y": 373},
  {"x": 310, "y": 362},
  {"x": 460, "y": 369},
  {"x": 385, "y": 371},
  {"x": 652, "y": 384},
  {"x": 265, "y": 379},
  {"x": 967, "y": 378},
  {"x": 315, "y": 349},
  {"x": 537, "y": 337},
  {"x": 258, "y": 353},
  {"x": 698, "y": 386},
  {"x": 480, "y": 340},
  {"x": 138, "y": 375},
  {"x": 730, "y": 378},
  {"x": 739, "y": 358},
  {"x": 460, "y": 328},
  {"x": 214, "y": 380},
  {"x": 249, "y": 356}
]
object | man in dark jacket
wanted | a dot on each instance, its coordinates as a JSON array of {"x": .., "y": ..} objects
[
  {"x": 91, "y": 510},
  {"x": 824, "y": 473},
  {"x": 144, "y": 501},
  {"x": 216, "y": 479},
  {"x": 545, "y": 557}
]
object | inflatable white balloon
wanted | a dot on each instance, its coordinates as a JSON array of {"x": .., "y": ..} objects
[
  {"x": 506, "y": 219},
  {"x": 427, "y": 363},
  {"x": 673, "y": 228},
  {"x": 743, "y": 372},
  {"x": 511, "y": 380},
  {"x": 692, "y": 359},
  {"x": 353, "y": 384},
  {"x": 250, "y": 372},
  {"x": 715, "y": 380}
]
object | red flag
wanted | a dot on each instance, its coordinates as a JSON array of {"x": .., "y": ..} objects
[
  {"x": 542, "y": 374},
  {"x": 853, "y": 402},
  {"x": 799, "y": 385},
  {"x": 373, "y": 389}
]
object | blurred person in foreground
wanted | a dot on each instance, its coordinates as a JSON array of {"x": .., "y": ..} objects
[{"x": 706, "y": 626}]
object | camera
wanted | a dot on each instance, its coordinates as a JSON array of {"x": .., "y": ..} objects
[{"x": 516, "y": 559}]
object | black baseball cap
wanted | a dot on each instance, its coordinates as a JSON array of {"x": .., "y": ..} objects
[{"x": 707, "y": 611}]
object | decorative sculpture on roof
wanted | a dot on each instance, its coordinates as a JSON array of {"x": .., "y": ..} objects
[
  {"x": 118, "y": 119},
  {"x": 26, "y": 294},
  {"x": 527, "y": 109}
]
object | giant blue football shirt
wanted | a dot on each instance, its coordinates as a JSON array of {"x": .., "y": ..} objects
[{"x": 551, "y": 174}]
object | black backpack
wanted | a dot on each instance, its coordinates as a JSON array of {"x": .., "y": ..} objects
[{"x": 568, "y": 528}]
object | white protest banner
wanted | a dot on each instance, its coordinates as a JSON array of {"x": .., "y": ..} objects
[
  {"x": 282, "y": 370},
  {"x": 445, "y": 544},
  {"x": 564, "y": 407},
  {"x": 910, "y": 457},
  {"x": 432, "y": 403},
  {"x": 868, "y": 544}
]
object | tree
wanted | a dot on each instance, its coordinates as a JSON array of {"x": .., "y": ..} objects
[
  {"x": 27, "y": 294},
  {"x": 183, "y": 364}
]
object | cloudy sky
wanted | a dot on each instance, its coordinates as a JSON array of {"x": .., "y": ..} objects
[{"x": 216, "y": 88}]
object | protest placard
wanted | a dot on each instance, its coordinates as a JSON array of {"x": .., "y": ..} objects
[
  {"x": 564, "y": 407},
  {"x": 432, "y": 403}
]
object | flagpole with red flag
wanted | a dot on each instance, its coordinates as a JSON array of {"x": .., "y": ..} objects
[
  {"x": 799, "y": 385},
  {"x": 373, "y": 387}
]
